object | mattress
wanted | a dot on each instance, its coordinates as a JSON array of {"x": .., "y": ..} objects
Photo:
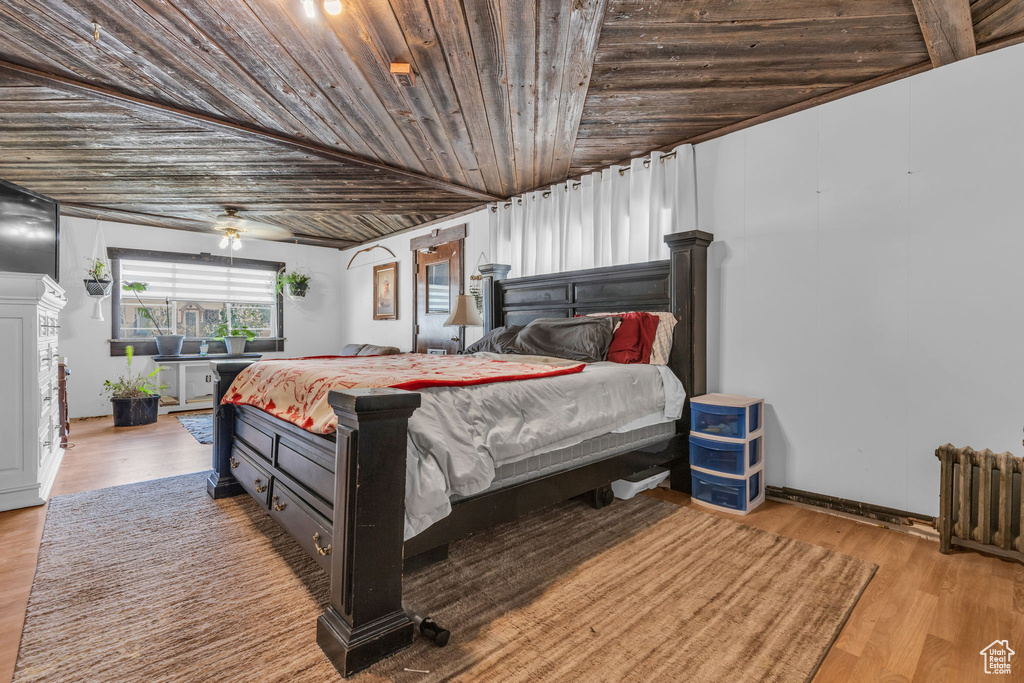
[
  {"x": 577, "y": 455},
  {"x": 460, "y": 437}
]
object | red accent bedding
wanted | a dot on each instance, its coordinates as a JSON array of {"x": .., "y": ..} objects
[{"x": 295, "y": 389}]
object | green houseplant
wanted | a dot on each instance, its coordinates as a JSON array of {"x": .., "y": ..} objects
[
  {"x": 234, "y": 338},
  {"x": 296, "y": 284},
  {"x": 166, "y": 344},
  {"x": 134, "y": 396},
  {"x": 97, "y": 278}
]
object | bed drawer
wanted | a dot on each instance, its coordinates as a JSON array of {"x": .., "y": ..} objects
[
  {"x": 306, "y": 526},
  {"x": 251, "y": 476},
  {"x": 306, "y": 471},
  {"x": 261, "y": 443}
]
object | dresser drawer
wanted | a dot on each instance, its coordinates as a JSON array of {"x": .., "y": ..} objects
[
  {"x": 49, "y": 436},
  {"x": 306, "y": 526},
  {"x": 251, "y": 476},
  {"x": 48, "y": 395},
  {"x": 49, "y": 359}
]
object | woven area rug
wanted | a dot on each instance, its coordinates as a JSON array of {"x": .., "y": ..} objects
[
  {"x": 157, "y": 582},
  {"x": 200, "y": 425}
]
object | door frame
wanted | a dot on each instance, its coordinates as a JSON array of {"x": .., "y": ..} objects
[{"x": 436, "y": 238}]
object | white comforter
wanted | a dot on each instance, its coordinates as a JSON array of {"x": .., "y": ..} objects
[{"x": 460, "y": 434}]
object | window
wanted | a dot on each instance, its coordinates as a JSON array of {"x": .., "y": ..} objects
[
  {"x": 438, "y": 288},
  {"x": 195, "y": 296}
]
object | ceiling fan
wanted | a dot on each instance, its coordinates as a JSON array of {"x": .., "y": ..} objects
[{"x": 234, "y": 227}]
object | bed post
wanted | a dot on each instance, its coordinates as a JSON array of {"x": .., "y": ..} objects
[
  {"x": 364, "y": 621},
  {"x": 688, "y": 259},
  {"x": 221, "y": 483},
  {"x": 492, "y": 272}
]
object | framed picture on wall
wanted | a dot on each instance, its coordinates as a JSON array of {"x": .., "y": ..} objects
[{"x": 385, "y": 291}]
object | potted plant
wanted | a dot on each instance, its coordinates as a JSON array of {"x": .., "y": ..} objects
[
  {"x": 134, "y": 397},
  {"x": 166, "y": 344},
  {"x": 234, "y": 338},
  {"x": 97, "y": 281},
  {"x": 296, "y": 284}
]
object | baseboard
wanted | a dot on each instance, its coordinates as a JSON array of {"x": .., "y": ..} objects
[
  {"x": 850, "y": 507},
  {"x": 21, "y": 497}
]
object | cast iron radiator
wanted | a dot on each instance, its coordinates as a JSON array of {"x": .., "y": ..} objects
[{"x": 980, "y": 500}]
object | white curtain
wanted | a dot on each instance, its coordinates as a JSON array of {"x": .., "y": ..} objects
[{"x": 614, "y": 216}]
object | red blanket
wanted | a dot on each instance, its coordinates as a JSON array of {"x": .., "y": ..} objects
[{"x": 295, "y": 389}]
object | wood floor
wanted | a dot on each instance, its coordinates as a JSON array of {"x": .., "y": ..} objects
[
  {"x": 103, "y": 455},
  {"x": 924, "y": 617}
]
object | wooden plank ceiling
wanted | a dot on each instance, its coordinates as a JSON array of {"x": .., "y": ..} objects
[{"x": 181, "y": 108}]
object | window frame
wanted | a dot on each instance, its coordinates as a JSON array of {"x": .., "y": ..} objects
[{"x": 147, "y": 347}]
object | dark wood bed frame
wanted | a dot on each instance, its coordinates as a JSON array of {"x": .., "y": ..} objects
[{"x": 342, "y": 496}]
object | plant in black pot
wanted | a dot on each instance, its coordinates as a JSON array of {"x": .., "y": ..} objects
[
  {"x": 234, "y": 338},
  {"x": 97, "y": 278},
  {"x": 295, "y": 284},
  {"x": 134, "y": 396},
  {"x": 166, "y": 344}
]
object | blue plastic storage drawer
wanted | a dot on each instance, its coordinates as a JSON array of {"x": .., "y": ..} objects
[
  {"x": 733, "y": 494},
  {"x": 731, "y": 457},
  {"x": 727, "y": 421}
]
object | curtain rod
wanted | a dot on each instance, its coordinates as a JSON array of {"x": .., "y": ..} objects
[{"x": 576, "y": 184}]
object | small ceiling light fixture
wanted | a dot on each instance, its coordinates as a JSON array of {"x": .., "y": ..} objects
[
  {"x": 402, "y": 72},
  {"x": 232, "y": 238},
  {"x": 309, "y": 7},
  {"x": 332, "y": 7}
]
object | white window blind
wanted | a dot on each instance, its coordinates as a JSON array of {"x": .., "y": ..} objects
[{"x": 196, "y": 282}]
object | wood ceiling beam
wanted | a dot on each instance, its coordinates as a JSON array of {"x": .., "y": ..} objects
[
  {"x": 98, "y": 92},
  {"x": 947, "y": 28}
]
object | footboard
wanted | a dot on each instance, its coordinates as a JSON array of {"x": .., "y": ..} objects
[{"x": 342, "y": 498}]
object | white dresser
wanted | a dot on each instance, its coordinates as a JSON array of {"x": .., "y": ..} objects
[{"x": 30, "y": 451}]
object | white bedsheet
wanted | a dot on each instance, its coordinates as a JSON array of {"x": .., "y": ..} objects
[{"x": 459, "y": 434}]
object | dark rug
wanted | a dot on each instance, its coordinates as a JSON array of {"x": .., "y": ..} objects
[
  {"x": 200, "y": 425},
  {"x": 158, "y": 582}
]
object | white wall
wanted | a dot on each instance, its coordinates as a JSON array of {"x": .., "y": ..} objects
[
  {"x": 866, "y": 279},
  {"x": 357, "y": 283},
  {"x": 312, "y": 326}
]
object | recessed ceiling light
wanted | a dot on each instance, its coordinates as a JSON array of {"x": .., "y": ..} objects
[{"x": 332, "y": 7}]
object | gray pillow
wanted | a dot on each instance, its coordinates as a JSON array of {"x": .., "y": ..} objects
[
  {"x": 496, "y": 341},
  {"x": 583, "y": 339}
]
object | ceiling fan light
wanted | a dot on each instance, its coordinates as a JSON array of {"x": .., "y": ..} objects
[
  {"x": 236, "y": 243},
  {"x": 310, "y": 8},
  {"x": 332, "y": 7},
  {"x": 224, "y": 242}
]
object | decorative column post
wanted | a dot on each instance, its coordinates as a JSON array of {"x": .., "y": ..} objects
[
  {"x": 492, "y": 272},
  {"x": 364, "y": 621},
  {"x": 222, "y": 483},
  {"x": 688, "y": 255}
]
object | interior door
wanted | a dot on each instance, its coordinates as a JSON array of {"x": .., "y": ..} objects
[{"x": 438, "y": 282}]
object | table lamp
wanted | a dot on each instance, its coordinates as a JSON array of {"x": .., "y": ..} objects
[{"x": 465, "y": 314}]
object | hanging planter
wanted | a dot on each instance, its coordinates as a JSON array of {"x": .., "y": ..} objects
[
  {"x": 97, "y": 281},
  {"x": 295, "y": 284}
]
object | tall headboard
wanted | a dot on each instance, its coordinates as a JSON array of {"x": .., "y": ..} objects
[{"x": 678, "y": 285}]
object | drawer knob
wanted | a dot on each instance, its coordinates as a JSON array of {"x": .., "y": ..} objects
[
  {"x": 234, "y": 463},
  {"x": 46, "y": 444},
  {"x": 259, "y": 489},
  {"x": 278, "y": 505},
  {"x": 47, "y": 398},
  {"x": 320, "y": 549}
]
